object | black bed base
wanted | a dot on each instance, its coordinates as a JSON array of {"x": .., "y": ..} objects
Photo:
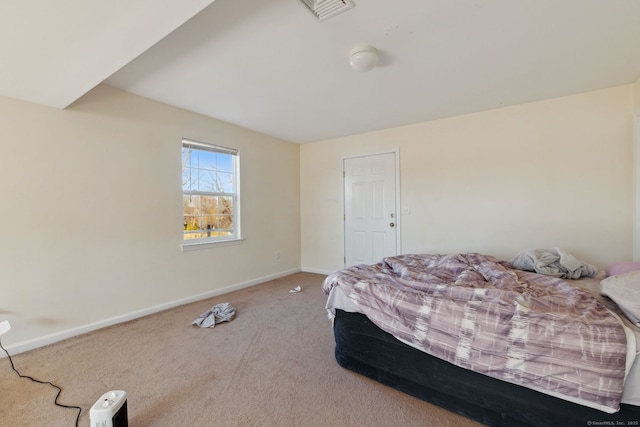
[{"x": 364, "y": 348}]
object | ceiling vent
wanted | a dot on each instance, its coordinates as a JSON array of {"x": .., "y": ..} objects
[{"x": 325, "y": 9}]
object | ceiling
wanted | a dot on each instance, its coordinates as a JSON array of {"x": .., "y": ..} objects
[{"x": 270, "y": 66}]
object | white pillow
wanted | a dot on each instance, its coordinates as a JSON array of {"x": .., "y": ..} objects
[{"x": 624, "y": 290}]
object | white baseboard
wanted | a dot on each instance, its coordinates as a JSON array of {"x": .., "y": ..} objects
[
  {"x": 32, "y": 344},
  {"x": 317, "y": 271}
]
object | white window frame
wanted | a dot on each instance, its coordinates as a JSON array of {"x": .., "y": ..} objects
[{"x": 236, "y": 236}]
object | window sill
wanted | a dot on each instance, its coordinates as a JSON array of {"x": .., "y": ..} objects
[{"x": 186, "y": 247}]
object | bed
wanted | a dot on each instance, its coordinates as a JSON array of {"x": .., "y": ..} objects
[{"x": 502, "y": 346}]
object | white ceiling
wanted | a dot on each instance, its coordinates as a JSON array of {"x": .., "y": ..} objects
[
  {"x": 269, "y": 66},
  {"x": 53, "y": 52}
]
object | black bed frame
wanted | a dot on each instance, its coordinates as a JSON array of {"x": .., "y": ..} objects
[{"x": 364, "y": 348}]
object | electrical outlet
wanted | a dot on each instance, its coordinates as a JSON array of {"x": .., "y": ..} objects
[
  {"x": 277, "y": 254},
  {"x": 4, "y": 327}
]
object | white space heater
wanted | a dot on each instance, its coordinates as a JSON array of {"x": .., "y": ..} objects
[{"x": 110, "y": 410}]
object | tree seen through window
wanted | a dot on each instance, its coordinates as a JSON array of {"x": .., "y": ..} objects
[{"x": 210, "y": 191}]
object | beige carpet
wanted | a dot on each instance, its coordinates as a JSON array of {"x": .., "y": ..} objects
[{"x": 273, "y": 365}]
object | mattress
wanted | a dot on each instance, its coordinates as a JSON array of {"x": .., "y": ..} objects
[
  {"x": 364, "y": 348},
  {"x": 337, "y": 300}
]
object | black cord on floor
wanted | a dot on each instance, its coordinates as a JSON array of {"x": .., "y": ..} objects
[{"x": 44, "y": 382}]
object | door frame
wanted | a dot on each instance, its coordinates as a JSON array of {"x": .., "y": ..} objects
[{"x": 398, "y": 218}]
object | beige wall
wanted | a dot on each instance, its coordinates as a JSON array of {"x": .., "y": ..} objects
[
  {"x": 636, "y": 180},
  {"x": 636, "y": 88},
  {"x": 91, "y": 214},
  {"x": 556, "y": 173}
]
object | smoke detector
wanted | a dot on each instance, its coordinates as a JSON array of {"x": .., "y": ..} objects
[{"x": 325, "y": 9}]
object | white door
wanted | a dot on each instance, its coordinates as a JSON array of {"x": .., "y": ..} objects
[{"x": 370, "y": 208}]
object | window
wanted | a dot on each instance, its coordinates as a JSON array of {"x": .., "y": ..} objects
[{"x": 210, "y": 193}]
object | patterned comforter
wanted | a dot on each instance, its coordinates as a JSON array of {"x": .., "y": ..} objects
[{"x": 478, "y": 313}]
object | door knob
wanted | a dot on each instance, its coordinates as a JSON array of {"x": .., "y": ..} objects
[{"x": 391, "y": 224}]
